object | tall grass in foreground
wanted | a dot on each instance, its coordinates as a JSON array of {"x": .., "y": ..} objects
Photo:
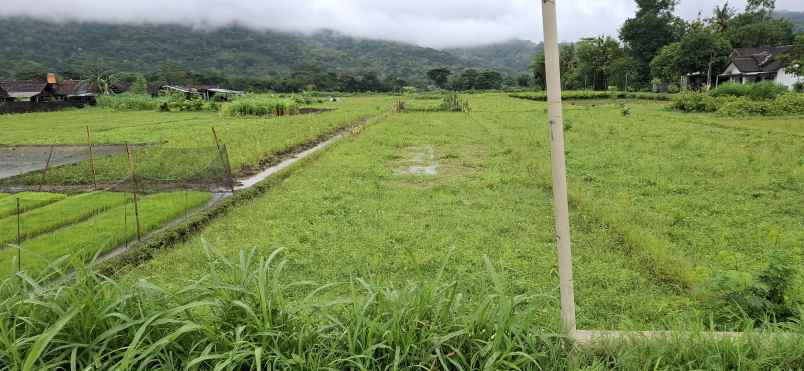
[
  {"x": 245, "y": 315},
  {"x": 260, "y": 106}
]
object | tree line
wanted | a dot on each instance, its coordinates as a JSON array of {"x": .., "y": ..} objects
[{"x": 656, "y": 47}]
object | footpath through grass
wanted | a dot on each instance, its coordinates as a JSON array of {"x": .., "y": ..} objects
[
  {"x": 81, "y": 241},
  {"x": 65, "y": 212}
]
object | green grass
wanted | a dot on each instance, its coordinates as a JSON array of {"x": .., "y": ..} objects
[
  {"x": 661, "y": 204},
  {"x": 100, "y": 233},
  {"x": 361, "y": 266},
  {"x": 246, "y": 314},
  {"x": 59, "y": 214},
  {"x": 28, "y": 201},
  {"x": 348, "y": 215}
]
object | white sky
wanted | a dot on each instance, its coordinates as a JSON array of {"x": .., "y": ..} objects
[{"x": 434, "y": 23}]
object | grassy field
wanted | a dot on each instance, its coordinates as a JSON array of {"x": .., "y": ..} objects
[
  {"x": 82, "y": 240},
  {"x": 662, "y": 202},
  {"x": 65, "y": 212},
  {"x": 428, "y": 240}
]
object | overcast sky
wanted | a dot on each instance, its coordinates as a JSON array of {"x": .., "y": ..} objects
[{"x": 434, "y": 23}]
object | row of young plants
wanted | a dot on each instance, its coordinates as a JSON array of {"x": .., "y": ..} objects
[
  {"x": 99, "y": 233},
  {"x": 591, "y": 94},
  {"x": 65, "y": 212},
  {"x": 246, "y": 314},
  {"x": 765, "y": 98}
]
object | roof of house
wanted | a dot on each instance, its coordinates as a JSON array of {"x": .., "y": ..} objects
[
  {"x": 750, "y": 60},
  {"x": 77, "y": 88},
  {"x": 23, "y": 89}
]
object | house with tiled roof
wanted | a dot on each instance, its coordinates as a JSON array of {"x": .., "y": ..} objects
[
  {"x": 748, "y": 65},
  {"x": 33, "y": 91}
]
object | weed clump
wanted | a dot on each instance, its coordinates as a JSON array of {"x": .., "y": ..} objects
[
  {"x": 768, "y": 297},
  {"x": 454, "y": 103},
  {"x": 261, "y": 106}
]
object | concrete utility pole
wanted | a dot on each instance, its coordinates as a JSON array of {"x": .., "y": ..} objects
[{"x": 559, "y": 166}]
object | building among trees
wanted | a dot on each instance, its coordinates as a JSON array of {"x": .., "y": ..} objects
[{"x": 748, "y": 65}]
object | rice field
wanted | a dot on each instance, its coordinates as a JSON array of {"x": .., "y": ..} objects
[{"x": 74, "y": 229}]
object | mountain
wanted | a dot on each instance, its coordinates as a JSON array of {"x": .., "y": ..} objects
[
  {"x": 33, "y": 44},
  {"x": 796, "y": 17},
  {"x": 513, "y": 56}
]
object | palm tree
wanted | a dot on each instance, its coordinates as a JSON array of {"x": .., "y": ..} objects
[{"x": 721, "y": 17}]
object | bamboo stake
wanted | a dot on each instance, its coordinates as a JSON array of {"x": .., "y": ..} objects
[
  {"x": 92, "y": 161},
  {"x": 134, "y": 192},
  {"x": 228, "y": 168},
  {"x": 47, "y": 166},
  {"x": 559, "y": 167}
]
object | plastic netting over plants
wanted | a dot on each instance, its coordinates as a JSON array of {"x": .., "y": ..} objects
[{"x": 113, "y": 167}]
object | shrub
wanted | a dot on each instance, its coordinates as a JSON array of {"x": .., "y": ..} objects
[
  {"x": 787, "y": 104},
  {"x": 766, "y": 296},
  {"x": 130, "y": 102},
  {"x": 260, "y": 106},
  {"x": 762, "y": 90},
  {"x": 694, "y": 102},
  {"x": 741, "y": 106}
]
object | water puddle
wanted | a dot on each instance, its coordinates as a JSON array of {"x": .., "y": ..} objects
[{"x": 421, "y": 161}]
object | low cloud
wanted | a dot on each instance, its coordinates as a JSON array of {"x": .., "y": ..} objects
[{"x": 439, "y": 23}]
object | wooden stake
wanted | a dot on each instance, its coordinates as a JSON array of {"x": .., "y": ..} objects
[
  {"x": 47, "y": 166},
  {"x": 559, "y": 167},
  {"x": 228, "y": 168},
  {"x": 215, "y": 136},
  {"x": 92, "y": 161},
  {"x": 134, "y": 192}
]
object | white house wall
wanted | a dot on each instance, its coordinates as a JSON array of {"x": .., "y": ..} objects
[{"x": 787, "y": 79}]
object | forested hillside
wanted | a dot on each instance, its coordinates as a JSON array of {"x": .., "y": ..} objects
[
  {"x": 513, "y": 56},
  {"x": 31, "y": 46},
  {"x": 796, "y": 17}
]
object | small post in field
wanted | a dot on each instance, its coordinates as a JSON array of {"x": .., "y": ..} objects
[
  {"x": 559, "y": 167},
  {"x": 215, "y": 136},
  {"x": 227, "y": 167},
  {"x": 134, "y": 191},
  {"x": 47, "y": 166},
  {"x": 92, "y": 161},
  {"x": 19, "y": 238}
]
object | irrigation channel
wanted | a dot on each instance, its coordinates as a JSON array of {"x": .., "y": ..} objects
[{"x": 291, "y": 157}]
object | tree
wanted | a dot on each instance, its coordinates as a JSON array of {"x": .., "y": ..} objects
[
  {"x": 595, "y": 57},
  {"x": 439, "y": 76},
  {"x": 489, "y": 80},
  {"x": 653, "y": 27},
  {"x": 523, "y": 81},
  {"x": 757, "y": 27},
  {"x": 795, "y": 58},
  {"x": 537, "y": 68},
  {"x": 140, "y": 86},
  {"x": 172, "y": 73},
  {"x": 466, "y": 81},
  {"x": 621, "y": 71},
  {"x": 721, "y": 17},
  {"x": 664, "y": 67},
  {"x": 704, "y": 51}
]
